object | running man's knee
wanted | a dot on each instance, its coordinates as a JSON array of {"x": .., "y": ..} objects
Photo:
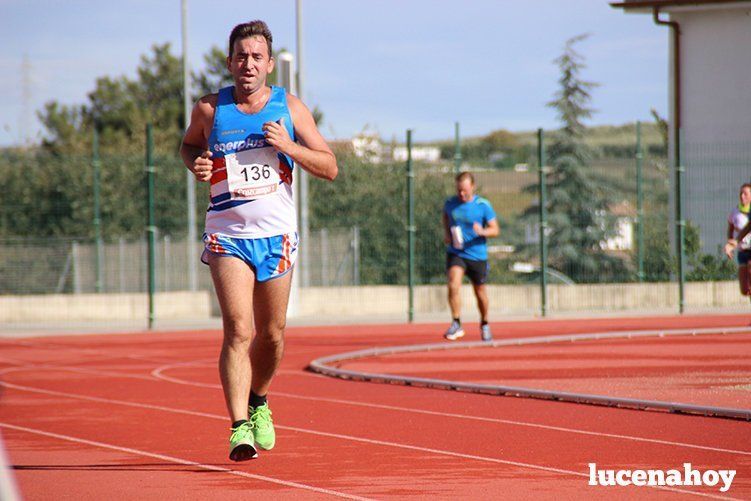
[
  {"x": 455, "y": 280},
  {"x": 272, "y": 331},
  {"x": 237, "y": 331}
]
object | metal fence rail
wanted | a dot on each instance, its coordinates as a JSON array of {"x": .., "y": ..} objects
[{"x": 330, "y": 366}]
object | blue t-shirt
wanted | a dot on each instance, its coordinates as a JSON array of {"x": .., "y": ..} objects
[{"x": 465, "y": 243}]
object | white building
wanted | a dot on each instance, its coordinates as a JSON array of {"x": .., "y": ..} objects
[
  {"x": 422, "y": 153},
  {"x": 710, "y": 102},
  {"x": 623, "y": 239},
  {"x": 367, "y": 145}
]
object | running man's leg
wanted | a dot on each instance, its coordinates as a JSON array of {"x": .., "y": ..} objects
[
  {"x": 744, "y": 279},
  {"x": 481, "y": 293},
  {"x": 455, "y": 276},
  {"x": 477, "y": 271},
  {"x": 233, "y": 281},
  {"x": 270, "y": 310}
]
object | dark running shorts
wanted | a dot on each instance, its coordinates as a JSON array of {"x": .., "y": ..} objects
[
  {"x": 476, "y": 271},
  {"x": 744, "y": 257}
]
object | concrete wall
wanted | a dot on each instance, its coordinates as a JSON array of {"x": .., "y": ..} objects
[
  {"x": 385, "y": 300},
  {"x": 520, "y": 299},
  {"x": 83, "y": 307}
]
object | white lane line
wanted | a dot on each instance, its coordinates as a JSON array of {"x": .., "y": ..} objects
[
  {"x": 79, "y": 370},
  {"x": 338, "y": 436},
  {"x": 74, "y": 349},
  {"x": 487, "y": 459},
  {"x": 185, "y": 462},
  {"x": 159, "y": 373},
  {"x": 632, "y": 438}
]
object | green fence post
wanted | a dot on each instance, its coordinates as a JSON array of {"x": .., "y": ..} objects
[
  {"x": 680, "y": 223},
  {"x": 639, "y": 204},
  {"x": 457, "y": 150},
  {"x": 543, "y": 223},
  {"x": 150, "y": 227},
  {"x": 411, "y": 227},
  {"x": 96, "y": 166}
]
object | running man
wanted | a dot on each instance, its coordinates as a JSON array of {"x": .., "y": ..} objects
[
  {"x": 468, "y": 220},
  {"x": 737, "y": 221},
  {"x": 246, "y": 140}
]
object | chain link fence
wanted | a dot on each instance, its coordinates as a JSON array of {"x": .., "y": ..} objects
[{"x": 50, "y": 242}]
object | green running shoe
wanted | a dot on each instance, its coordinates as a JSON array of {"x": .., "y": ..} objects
[
  {"x": 263, "y": 426},
  {"x": 241, "y": 443}
]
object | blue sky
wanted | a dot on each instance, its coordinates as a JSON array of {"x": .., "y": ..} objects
[{"x": 390, "y": 64}]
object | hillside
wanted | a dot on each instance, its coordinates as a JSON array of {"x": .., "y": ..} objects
[{"x": 598, "y": 137}]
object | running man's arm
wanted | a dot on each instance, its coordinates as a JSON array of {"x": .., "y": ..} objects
[
  {"x": 733, "y": 243},
  {"x": 194, "y": 148},
  {"x": 491, "y": 230},
  {"x": 745, "y": 231},
  {"x": 446, "y": 230},
  {"x": 490, "y": 227},
  {"x": 311, "y": 152}
]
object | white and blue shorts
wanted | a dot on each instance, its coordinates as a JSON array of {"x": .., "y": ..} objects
[{"x": 269, "y": 257}]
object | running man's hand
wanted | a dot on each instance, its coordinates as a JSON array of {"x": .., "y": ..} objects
[
  {"x": 490, "y": 231},
  {"x": 730, "y": 247},
  {"x": 202, "y": 167},
  {"x": 277, "y": 136}
]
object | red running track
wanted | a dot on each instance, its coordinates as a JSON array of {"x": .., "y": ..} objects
[
  {"x": 710, "y": 369},
  {"x": 141, "y": 416}
]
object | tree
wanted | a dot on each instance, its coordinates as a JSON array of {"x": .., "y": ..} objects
[
  {"x": 120, "y": 108},
  {"x": 578, "y": 203},
  {"x": 374, "y": 199},
  {"x": 662, "y": 127},
  {"x": 159, "y": 89},
  {"x": 501, "y": 140},
  {"x": 705, "y": 267},
  {"x": 215, "y": 76},
  {"x": 63, "y": 124}
]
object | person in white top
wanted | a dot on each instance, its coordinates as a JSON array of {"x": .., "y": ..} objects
[
  {"x": 739, "y": 239},
  {"x": 250, "y": 240}
]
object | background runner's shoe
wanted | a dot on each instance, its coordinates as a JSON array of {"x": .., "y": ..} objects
[
  {"x": 454, "y": 332},
  {"x": 241, "y": 443},
  {"x": 485, "y": 333},
  {"x": 263, "y": 426}
]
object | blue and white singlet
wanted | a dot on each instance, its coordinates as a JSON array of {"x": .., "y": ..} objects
[{"x": 251, "y": 183}]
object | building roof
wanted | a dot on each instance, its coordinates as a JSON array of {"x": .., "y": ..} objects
[{"x": 648, "y": 4}]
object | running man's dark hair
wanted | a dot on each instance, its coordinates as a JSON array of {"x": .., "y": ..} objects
[
  {"x": 250, "y": 29},
  {"x": 743, "y": 187},
  {"x": 465, "y": 175}
]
